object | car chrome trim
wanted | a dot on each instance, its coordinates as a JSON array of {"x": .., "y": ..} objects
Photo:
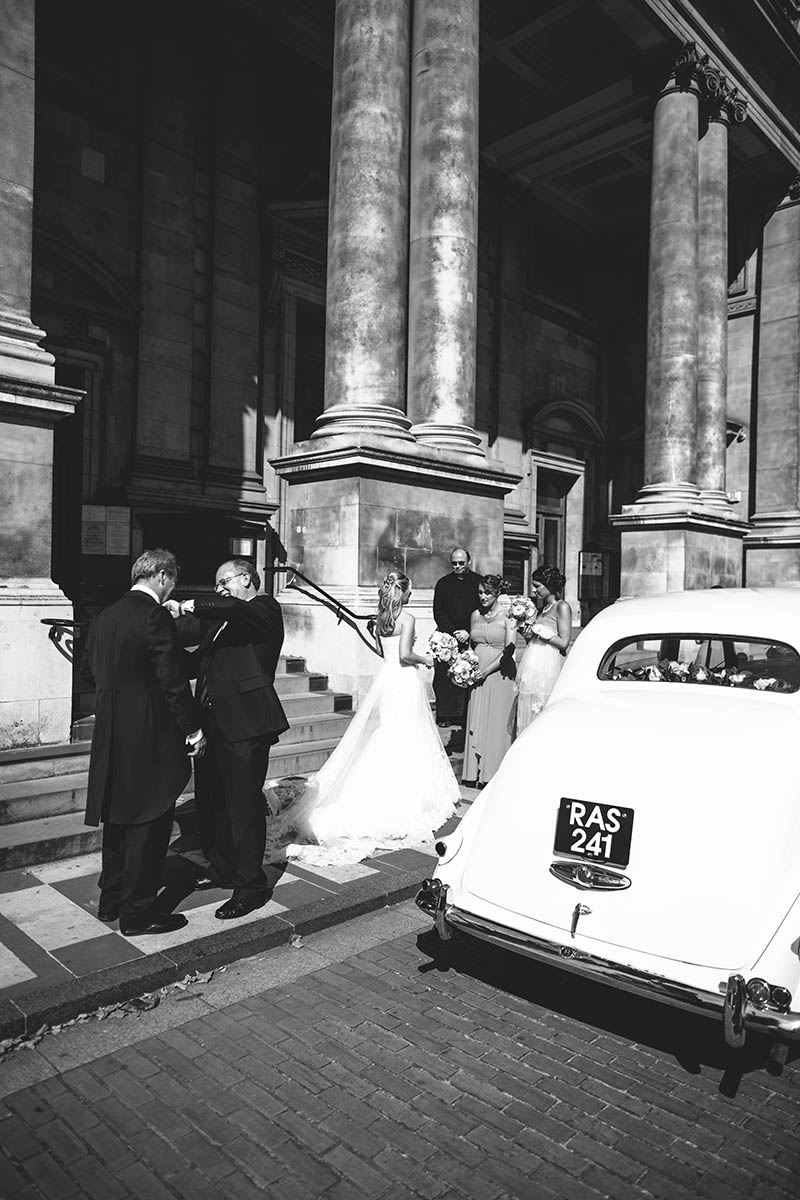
[
  {"x": 432, "y": 899},
  {"x": 733, "y": 1011},
  {"x": 588, "y": 877}
]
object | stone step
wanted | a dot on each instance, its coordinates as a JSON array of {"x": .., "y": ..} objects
[
  {"x": 290, "y": 664},
  {"x": 26, "y": 843},
  {"x": 302, "y": 704},
  {"x": 64, "y": 835},
  {"x": 288, "y": 683},
  {"x": 42, "y": 762}
]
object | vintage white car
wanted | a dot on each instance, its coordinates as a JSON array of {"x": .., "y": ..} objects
[{"x": 645, "y": 829}]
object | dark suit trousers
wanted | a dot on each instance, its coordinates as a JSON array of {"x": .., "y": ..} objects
[
  {"x": 231, "y": 809},
  {"x": 451, "y": 701},
  {"x": 133, "y": 857}
]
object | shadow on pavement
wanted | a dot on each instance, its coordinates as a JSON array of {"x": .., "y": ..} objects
[{"x": 694, "y": 1042}]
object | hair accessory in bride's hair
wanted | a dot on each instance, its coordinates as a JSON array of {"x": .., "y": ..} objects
[{"x": 391, "y": 596}]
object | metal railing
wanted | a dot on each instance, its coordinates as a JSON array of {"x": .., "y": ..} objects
[
  {"x": 63, "y": 634},
  {"x": 315, "y": 591}
]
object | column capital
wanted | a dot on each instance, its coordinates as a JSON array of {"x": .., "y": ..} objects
[{"x": 725, "y": 105}]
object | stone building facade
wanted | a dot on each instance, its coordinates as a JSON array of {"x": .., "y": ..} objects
[{"x": 353, "y": 281}]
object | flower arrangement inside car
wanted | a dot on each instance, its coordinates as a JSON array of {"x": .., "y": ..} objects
[
  {"x": 464, "y": 668},
  {"x": 681, "y": 672}
]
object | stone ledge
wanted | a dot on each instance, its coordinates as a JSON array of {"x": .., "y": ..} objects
[{"x": 397, "y": 461}]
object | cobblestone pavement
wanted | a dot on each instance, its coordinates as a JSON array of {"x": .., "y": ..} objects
[{"x": 367, "y": 1063}]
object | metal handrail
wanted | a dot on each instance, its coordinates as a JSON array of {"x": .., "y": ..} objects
[
  {"x": 62, "y": 633},
  {"x": 341, "y": 611}
]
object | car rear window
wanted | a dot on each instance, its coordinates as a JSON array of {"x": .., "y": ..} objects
[{"x": 705, "y": 658}]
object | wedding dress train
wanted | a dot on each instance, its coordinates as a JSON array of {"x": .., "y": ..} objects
[{"x": 388, "y": 784}]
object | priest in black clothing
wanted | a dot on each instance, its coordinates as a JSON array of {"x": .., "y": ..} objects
[{"x": 455, "y": 599}]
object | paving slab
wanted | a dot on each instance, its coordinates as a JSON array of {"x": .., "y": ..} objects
[{"x": 58, "y": 960}]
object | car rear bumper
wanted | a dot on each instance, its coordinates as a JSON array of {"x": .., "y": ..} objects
[{"x": 736, "y": 1011}]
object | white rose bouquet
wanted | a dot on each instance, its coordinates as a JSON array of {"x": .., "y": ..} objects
[
  {"x": 464, "y": 668},
  {"x": 443, "y": 647},
  {"x": 522, "y": 608}
]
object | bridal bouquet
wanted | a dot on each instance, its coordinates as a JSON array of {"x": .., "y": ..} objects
[
  {"x": 522, "y": 608},
  {"x": 524, "y": 612},
  {"x": 463, "y": 668},
  {"x": 443, "y": 647}
]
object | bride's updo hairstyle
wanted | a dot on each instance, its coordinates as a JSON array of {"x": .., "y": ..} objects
[{"x": 391, "y": 595}]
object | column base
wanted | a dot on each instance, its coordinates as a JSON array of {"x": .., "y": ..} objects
[
  {"x": 715, "y": 499},
  {"x": 678, "y": 550},
  {"x": 448, "y": 437},
  {"x": 21, "y": 356},
  {"x": 356, "y": 512},
  {"x": 671, "y": 494},
  {"x": 380, "y": 419},
  {"x": 772, "y": 549}
]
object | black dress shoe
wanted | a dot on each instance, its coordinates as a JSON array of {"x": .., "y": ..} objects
[
  {"x": 107, "y": 912},
  {"x": 238, "y": 906},
  {"x": 157, "y": 923}
]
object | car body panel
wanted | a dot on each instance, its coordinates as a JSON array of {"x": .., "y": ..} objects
[{"x": 710, "y": 774}]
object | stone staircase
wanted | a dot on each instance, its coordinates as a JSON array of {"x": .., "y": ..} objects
[{"x": 43, "y": 790}]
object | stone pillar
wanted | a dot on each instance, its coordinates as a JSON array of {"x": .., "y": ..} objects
[
  {"x": 670, "y": 399},
  {"x": 712, "y": 286},
  {"x": 21, "y": 357},
  {"x": 35, "y": 681},
  {"x": 672, "y": 537},
  {"x": 365, "y": 341},
  {"x": 443, "y": 256},
  {"x": 773, "y": 545}
]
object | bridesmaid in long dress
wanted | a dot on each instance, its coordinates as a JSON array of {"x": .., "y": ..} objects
[
  {"x": 493, "y": 638},
  {"x": 544, "y": 654}
]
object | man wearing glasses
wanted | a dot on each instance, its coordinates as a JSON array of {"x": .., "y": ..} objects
[{"x": 238, "y": 635}]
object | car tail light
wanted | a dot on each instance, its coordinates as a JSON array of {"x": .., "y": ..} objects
[
  {"x": 448, "y": 847},
  {"x": 766, "y": 995},
  {"x": 781, "y": 997},
  {"x": 758, "y": 991}
]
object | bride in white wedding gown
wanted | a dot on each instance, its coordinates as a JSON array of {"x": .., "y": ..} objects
[{"x": 389, "y": 782}]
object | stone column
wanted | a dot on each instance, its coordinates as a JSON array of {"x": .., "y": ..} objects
[
  {"x": 773, "y": 544},
  {"x": 712, "y": 285},
  {"x": 35, "y": 680},
  {"x": 365, "y": 340},
  {"x": 443, "y": 257},
  {"x": 670, "y": 399},
  {"x": 20, "y": 354}
]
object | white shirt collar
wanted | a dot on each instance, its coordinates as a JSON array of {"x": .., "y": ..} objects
[{"x": 142, "y": 587}]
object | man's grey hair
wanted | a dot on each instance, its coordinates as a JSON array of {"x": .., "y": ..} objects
[
  {"x": 246, "y": 568},
  {"x": 152, "y": 562},
  {"x": 461, "y": 550}
]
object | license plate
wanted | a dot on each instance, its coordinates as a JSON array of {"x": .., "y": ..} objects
[{"x": 600, "y": 832}]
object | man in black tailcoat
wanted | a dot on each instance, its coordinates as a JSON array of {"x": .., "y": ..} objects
[
  {"x": 238, "y": 635},
  {"x": 455, "y": 598},
  {"x": 147, "y": 726}
]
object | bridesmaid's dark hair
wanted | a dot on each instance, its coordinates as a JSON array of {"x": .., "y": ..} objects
[
  {"x": 551, "y": 577},
  {"x": 391, "y": 595}
]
